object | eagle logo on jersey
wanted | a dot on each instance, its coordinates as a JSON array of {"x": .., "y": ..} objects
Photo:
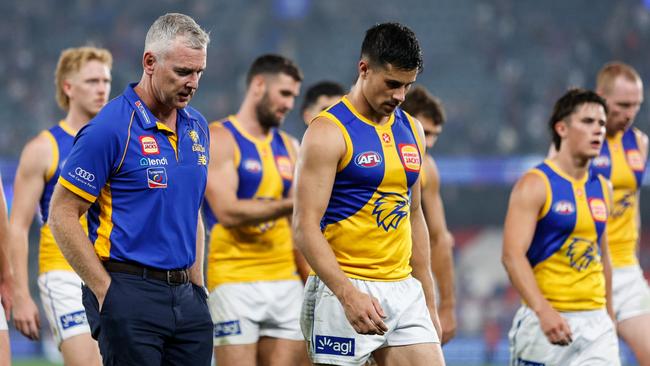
[
  {"x": 390, "y": 209},
  {"x": 194, "y": 136},
  {"x": 623, "y": 204},
  {"x": 581, "y": 253}
]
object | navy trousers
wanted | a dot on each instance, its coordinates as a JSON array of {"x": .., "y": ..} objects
[{"x": 150, "y": 322}]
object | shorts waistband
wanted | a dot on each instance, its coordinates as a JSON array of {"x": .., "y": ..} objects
[{"x": 172, "y": 277}]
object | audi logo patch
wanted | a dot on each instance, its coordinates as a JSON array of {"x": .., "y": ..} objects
[{"x": 84, "y": 174}]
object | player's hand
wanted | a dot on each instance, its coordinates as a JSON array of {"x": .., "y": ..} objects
[
  {"x": 7, "y": 294},
  {"x": 100, "y": 294},
  {"x": 26, "y": 317},
  {"x": 447, "y": 318},
  {"x": 555, "y": 327},
  {"x": 364, "y": 312}
]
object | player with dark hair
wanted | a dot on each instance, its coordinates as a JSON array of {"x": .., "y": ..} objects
[
  {"x": 255, "y": 292},
  {"x": 427, "y": 109},
  {"x": 555, "y": 246},
  {"x": 358, "y": 218},
  {"x": 318, "y": 97}
]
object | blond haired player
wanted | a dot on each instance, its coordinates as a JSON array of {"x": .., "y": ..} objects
[{"x": 83, "y": 84}]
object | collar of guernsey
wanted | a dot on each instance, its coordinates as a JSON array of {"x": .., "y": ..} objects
[
  {"x": 145, "y": 182},
  {"x": 367, "y": 220},
  {"x": 622, "y": 163},
  {"x": 566, "y": 246}
]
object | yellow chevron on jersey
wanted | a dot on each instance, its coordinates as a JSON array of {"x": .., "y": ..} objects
[
  {"x": 262, "y": 252},
  {"x": 50, "y": 257},
  {"x": 621, "y": 162},
  {"x": 367, "y": 220},
  {"x": 565, "y": 250}
]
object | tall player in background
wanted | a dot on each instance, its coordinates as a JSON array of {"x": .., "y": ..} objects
[
  {"x": 358, "y": 219},
  {"x": 255, "y": 291},
  {"x": 555, "y": 248},
  {"x": 5, "y": 281},
  {"x": 83, "y": 85},
  {"x": 622, "y": 160},
  {"x": 429, "y": 111},
  {"x": 319, "y": 97}
]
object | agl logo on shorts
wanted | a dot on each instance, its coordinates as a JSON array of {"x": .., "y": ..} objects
[{"x": 338, "y": 346}]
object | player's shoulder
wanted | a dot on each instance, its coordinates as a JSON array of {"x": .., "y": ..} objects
[
  {"x": 532, "y": 184},
  {"x": 641, "y": 136},
  {"x": 40, "y": 145}
]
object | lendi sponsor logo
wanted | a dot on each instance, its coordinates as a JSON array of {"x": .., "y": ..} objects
[{"x": 153, "y": 162}]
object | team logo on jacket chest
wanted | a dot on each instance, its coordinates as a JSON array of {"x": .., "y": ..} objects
[
  {"x": 368, "y": 159},
  {"x": 149, "y": 145},
  {"x": 410, "y": 157},
  {"x": 564, "y": 207}
]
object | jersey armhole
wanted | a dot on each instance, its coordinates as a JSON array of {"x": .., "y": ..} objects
[
  {"x": 346, "y": 136},
  {"x": 55, "y": 156},
  {"x": 549, "y": 194}
]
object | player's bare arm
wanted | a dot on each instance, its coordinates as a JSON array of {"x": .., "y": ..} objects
[
  {"x": 606, "y": 259},
  {"x": 322, "y": 149},
  {"x": 442, "y": 242},
  {"x": 642, "y": 142},
  {"x": 29, "y": 183},
  {"x": 421, "y": 255},
  {"x": 65, "y": 210},
  {"x": 196, "y": 271},
  {"x": 526, "y": 202},
  {"x": 221, "y": 190},
  {"x": 302, "y": 266},
  {"x": 6, "y": 280}
]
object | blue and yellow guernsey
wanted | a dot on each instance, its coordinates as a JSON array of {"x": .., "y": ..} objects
[
  {"x": 565, "y": 250},
  {"x": 50, "y": 257},
  {"x": 367, "y": 220},
  {"x": 262, "y": 252},
  {"x": 622, "y": 163},
  {"x": 145, "y": 182}
]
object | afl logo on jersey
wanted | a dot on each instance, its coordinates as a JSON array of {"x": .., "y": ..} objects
[
  {"x": 635, "y": 160},
  {"x": 410, "y": 157},
  {"x": 368, "y": 159},
  {"x": 252, "y": 166},
  {"x": 149, "y": 145},
  {"x": 598, "y": 209},
  {"x": 602, "y": 161},
  {"x": 564, "y": 208}
]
